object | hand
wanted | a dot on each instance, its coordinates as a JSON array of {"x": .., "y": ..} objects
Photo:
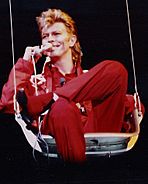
[
  {"x": 32, "y": 51},
  {"x": 36, "y": 51}
]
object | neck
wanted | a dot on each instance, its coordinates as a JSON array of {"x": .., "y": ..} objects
[{"x": 65, "y": 64}]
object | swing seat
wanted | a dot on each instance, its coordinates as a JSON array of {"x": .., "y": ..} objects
[{"x": 97, "y": 144}]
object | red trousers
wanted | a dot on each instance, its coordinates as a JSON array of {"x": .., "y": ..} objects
[{"x": 105, "y": 85}]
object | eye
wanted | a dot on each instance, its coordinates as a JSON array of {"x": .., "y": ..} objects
[
  {"x": 56, "y": 33},
  {"x": 44, "y": 36}
]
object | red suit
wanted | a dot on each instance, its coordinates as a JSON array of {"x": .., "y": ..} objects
[{"x": 101, "y": 93}]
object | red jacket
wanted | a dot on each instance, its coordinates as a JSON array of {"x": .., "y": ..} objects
[{"x": 48, "y": 81}]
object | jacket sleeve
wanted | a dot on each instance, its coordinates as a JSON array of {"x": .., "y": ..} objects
[{"x": 23, "y": 72}]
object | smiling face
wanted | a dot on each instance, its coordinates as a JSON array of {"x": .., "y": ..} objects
[
  {"x": 61, "y": 41},
  {"x": 59, "y": 20}
]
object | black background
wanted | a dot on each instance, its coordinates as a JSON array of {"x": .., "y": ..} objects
[{"x": 103, "y": 33}]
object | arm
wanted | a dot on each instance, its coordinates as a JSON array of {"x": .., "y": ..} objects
[{"x": 24, "y": 70}]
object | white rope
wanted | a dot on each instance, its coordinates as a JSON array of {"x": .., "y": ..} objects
[
  {"x": 131, "y": 45},
  {"x": 16, "y": 106},
  {"x": 136, "y": 96},
  {"x": 39, "y": 135},
  {"x": 35, "y": 75}
]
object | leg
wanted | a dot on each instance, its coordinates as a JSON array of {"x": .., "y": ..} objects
[
  {"x": 106, "y": 85},
  {"x": 64, "y": 123}
]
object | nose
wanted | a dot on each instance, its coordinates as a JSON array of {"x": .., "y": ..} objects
[{"x": 50, "y": 38}]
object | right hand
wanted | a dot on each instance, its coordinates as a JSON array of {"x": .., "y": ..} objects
[{"x": 36, "y": 51}]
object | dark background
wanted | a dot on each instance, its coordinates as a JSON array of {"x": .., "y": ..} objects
[{"x": 103, "y": 33}]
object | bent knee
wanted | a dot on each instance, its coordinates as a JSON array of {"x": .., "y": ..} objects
[
  {"x": 116, "y": 70},
  {"x": 116, "y": 67}
]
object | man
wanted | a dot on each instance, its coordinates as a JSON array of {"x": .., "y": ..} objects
[{"x": 90, "y": 102}]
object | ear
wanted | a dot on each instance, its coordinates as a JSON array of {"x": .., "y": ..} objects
[{"x": 72, "y": 40}]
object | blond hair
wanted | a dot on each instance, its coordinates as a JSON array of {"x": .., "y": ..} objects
[{"x": 51, "y": 16}]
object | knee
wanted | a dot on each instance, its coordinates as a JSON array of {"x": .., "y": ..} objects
[
  {"x": 116, "y": 67},
  {"x": 116, "y": 70},
  {"x": 121, "y": 73}
]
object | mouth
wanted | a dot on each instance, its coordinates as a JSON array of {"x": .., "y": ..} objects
[{"x": 55, "y": 46}]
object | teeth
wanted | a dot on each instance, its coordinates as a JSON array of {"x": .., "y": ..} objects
[{"x": 55, "y": 45}]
